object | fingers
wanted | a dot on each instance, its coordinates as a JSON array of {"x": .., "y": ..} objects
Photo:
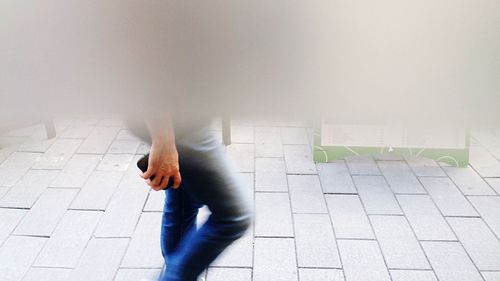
[
  {"x": 154, "y": 187},
  {"x": 156, "y": 183},
  {"x": 146, "y": 175},
  {"x": 160, "y": 181},
  {"x": 177, "y": 180},
  {"x": 157, "y": 188},
  {"x": 164, "y": 182},
  {"x": 157, "y": 180}
]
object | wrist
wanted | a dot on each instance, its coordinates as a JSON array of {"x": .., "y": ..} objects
[{"x": 163, "y": 142}]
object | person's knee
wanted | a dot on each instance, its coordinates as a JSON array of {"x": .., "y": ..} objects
[
  {"x": 244, "y": 211},
  {"x": 234, "y": 226},
  {"x": 244, "y": 222}
]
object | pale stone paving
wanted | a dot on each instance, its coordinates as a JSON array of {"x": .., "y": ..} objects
[{"x": 73, "y": 208}]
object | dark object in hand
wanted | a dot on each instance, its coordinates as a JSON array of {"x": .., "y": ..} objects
[{"x": 142, "y": 164}]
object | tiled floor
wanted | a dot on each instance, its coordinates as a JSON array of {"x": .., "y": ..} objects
[{"x": 74, "y": 208}]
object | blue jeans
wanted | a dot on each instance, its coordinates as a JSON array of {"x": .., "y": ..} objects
[{"x": 208, "y": 178}]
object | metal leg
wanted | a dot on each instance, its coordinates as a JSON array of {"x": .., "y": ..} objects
[
  {"x": 50, "y": 128},
  {"x": 226, "y": 130}
]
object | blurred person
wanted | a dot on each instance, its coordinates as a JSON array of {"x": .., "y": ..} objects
[{"x": 194, "y": 161}]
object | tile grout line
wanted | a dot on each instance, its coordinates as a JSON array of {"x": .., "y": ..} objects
[
  {"x": 331, "y": 225},
  {"x": 408, "y": 221},
  {"x": 472, "y": 205},
  {"x": 36, "y": 256},
  {"x": 129, "y": 241},
  {"x": 448, "y": 224},
  {"x": 254, "y": 206},
  {"x": 74, "y": 197},
  {"x": 369, "y": 221},
  {"x": 291, "y": 209}
]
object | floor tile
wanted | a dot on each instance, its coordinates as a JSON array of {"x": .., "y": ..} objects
[
  {"x": 480, "y": 243},
  {"x": 17, "y": 255},
  {"x": 315, "y": 241},
  {"x": 274, "y": 259},
  {"x": 137, "y": 274},
  {"x": 58, "y": 154},
  {"x": 15, "y": 166},
  {"x": 97, "y": 191},
  {"x": 362, "y": 261},
  {"x": 101, "y": 260},
  {"x": 468, "y": 181},
  {"x": 69, "y": 239},
  {"x": 399, "y": 246},
  {"x": 424, "y": 167},
  {"x": 489, "y": 209},
  {"x": 413, "y": 275},
  {"x": 37, "y": 142},
  {"x": 98, "y": 140},
  {"x": 47, "y": 274},
  {"x": 155, "y": 201},
  {"x": 46, "y": 213},
  {"x": 316, "y": 274},
  {"x": 306, "y": 195},
  {"x": 362, "y": 165},
  {"x": 122, "y": 213},
  {"x": 3, "y": 191},
  {"x": 447, "y": 197},
  {"x": 10, "y": 218},
  {"x": 348, "y": 217},
  {"x": 229, "y": 274},
  {"x": 494, "y": 183},
  {"x": 273, "y": 216},
  {"x": 298, "y": 159},
  {"x": 491, "y": 276},
  {"x": 483, "y": 162},
  {"x": 77, "y": 171},
  {"x": 143, "y": 250},
  {"x": 23, "y": 132},
  {"x": 335, "y": 178},
  {"x": 126, "y": 134},
  {"x": 28, "y": 189},
  {"x": 115, "y": 162},
  {"x": 425, "y": 218},
  {"x": 243, "y": 156},
  {"x": 450, "y": 262},
  {"x": 248, "y": 181},
  {"x": 376, "y": 195},
  {"x": 270, "y": 174},
  {"x": 124, "y": 146},
  {"x": 132, "y": 178},
  {"x": 485, "y": 137},
  {"x": 238, "y": 254},
  {"x": 6, "y": 151},
  {"x": 268, "y": 142},
  {"x": 400, "y": 177}
]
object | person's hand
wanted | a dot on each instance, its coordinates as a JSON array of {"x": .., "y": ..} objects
[{"x": 163, "y": 164}]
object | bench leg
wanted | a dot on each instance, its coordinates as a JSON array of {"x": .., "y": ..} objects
[
  {"x": 226, "y": 130},
  {"x": 50, "y": 128}
]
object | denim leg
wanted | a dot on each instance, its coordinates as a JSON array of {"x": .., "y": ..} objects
[
  {"x": 179, "y": 218},
  {"x": 212, "y": 181}
]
